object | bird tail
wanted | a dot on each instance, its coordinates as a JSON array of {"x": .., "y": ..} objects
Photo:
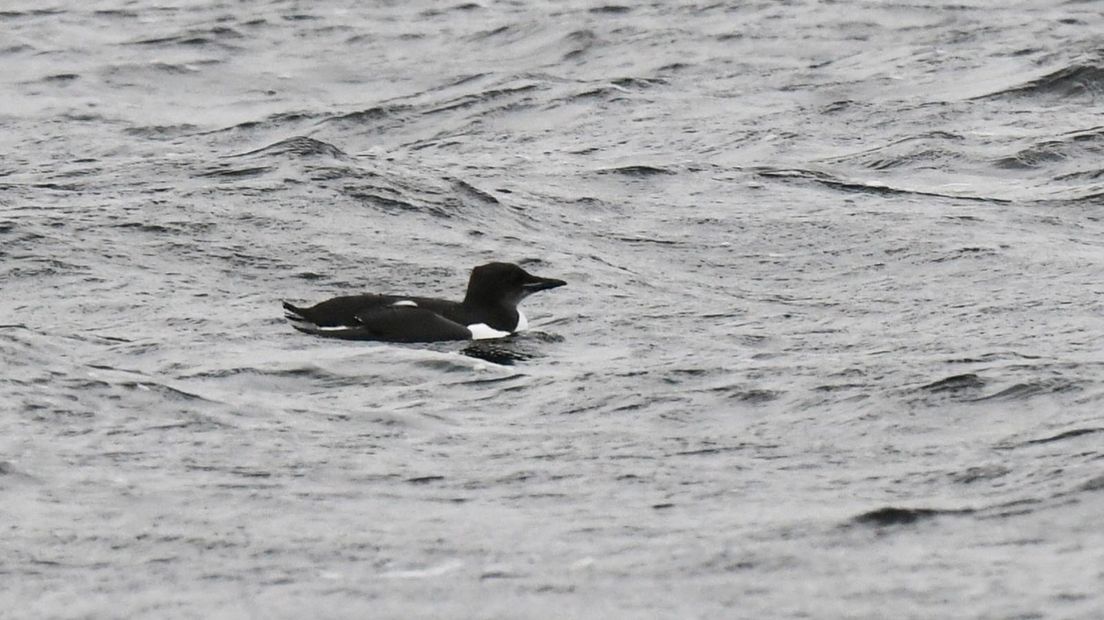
[{"x": 298, "y": 318}]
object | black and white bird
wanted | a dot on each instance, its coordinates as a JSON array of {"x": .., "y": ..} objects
[{"x": 489, "y": 310}]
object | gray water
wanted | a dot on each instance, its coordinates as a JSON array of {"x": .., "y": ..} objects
[{"x": 831, "y": 345}]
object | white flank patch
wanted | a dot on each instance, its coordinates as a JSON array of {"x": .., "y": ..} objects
[
  {"x": 406, "y": 303},
  {"x": 523, "y": 323},
  {"x": 311, "y": 327},
  {"x": 482, "y": 331}
]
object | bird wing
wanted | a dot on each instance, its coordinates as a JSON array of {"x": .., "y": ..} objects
[
  {"x": 393, "y": 324},
  {"x": 403, "y": 323}
]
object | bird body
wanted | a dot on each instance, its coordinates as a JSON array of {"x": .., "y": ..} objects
[{"x": 489, "y": 310}]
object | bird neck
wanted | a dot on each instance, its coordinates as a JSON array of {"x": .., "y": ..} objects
[{"x": 500, "y": 316}]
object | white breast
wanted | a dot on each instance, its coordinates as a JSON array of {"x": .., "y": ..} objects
[{"x": 482, "y": 331}]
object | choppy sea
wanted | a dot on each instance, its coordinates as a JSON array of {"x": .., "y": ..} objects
[{"x": 832, "y": 344}]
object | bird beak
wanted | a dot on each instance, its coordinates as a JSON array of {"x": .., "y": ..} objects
[{"x": 534, "y": 284}]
